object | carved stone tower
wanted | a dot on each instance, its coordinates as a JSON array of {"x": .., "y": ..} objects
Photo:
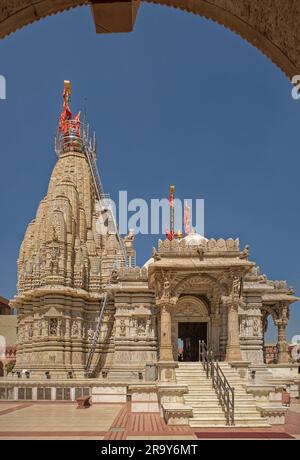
[{"x": 65, "y": 259}]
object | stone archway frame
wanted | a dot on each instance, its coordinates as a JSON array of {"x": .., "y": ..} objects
[
  {"x": 269, "y": 310},
  {"x": 189, "y": 308},
  {"x": 213, "y": 286},
  {"x": 272, "y": 26}
]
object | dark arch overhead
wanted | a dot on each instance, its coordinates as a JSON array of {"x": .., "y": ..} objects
[{"x": 272, "y": 26}]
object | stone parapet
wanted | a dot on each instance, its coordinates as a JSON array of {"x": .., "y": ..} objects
[{"x": 182, "y": 249}]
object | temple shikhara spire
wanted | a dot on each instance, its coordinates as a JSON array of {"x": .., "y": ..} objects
[{"x": 92, "y": 323}]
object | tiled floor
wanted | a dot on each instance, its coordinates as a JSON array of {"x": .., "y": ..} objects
[
  {"x": 108, "y": 421},
  {"x": 166, "y": 437},
  {"x": 6, "y": 405},
  {"x": 59, "y": 418}
]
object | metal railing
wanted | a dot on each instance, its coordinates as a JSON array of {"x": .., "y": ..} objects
[{"x": 220, "y": 383}]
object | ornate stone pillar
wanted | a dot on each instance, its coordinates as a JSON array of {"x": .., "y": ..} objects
[
  {"x": 223, "y": 332},
  {"x": 166, "y": 364},
  {"x": 67, "y": 338},
  {"x": 233, "y": 349},
  {"x": 282, "y": 346},
  {"x": 165, "y": 302},
  {"x": 166, "y": 349},
  {"x": 215, "y": 334}
]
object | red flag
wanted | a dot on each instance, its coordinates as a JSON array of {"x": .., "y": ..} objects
[
  {"x": 187, "y": 218},
  {"x": 169, "y": 234}
]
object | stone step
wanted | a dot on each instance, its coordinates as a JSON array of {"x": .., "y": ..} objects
[
  {"x": 211, "y": 398},
  {"x": 200, "y": 388},
  {"x": 180, "y": 370},
  {"x": 190, "y": 381},
  {"x": 192, "y": 400},
  {"x": 248, "y": 418},
  {"x": 192, "y": 375},
  {"x": 203, "y": 394},
  {"x": 210, "y": 393},
  {"x": 207, "y": 385},
  {"x": 190, "y": 364},
  {"x": 212, "y": 412},
  {"x": 199, "y": 377},
  {"x": 202, "y": 397},
  {"x": 237, "y": 390},
  {"x": 218, "y": 411},
  {"x": 215, "y": 402},
  {"x": 214, "y": 417},
  {"x": 205, "y": 391},
  {"x": 202, "y": 424},
  {"x": 237, "y": 419},
  {"x": 192, "y": 378},
  {"x": 246, "y": 403},
  {"x": 208, "y": 406},
  {"x": 215, "y": 406},
  {"x": 203, "y": 378}
]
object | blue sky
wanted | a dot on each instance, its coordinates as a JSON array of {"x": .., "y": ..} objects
[{"x": 180, "y": 100}]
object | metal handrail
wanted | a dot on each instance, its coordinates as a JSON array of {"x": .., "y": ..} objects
[{"x": 220, "y": 383}]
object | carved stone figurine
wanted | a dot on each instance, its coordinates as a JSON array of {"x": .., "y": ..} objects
[
  {"x": 75, "y": 328},
  {"x": 129, "y": 239},
  {"x": 245, "y": 253},
  {"x": 155, "y": 254},
  {"x": 90, "y": 334},
  {"x": 167, "y": 287},
  {"x": 122, "y": 328},
  {"x": 236, "y": 286}
]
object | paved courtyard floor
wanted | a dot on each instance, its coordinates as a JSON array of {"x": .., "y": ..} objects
[{"x": 116, "y": 422}]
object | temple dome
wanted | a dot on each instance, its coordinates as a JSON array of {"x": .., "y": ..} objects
[
  {"x": 149, "y": 262},
  {"x": 194, "y": 239}
]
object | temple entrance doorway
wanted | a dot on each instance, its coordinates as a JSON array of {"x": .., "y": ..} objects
[{"x": 189, "y": 335}]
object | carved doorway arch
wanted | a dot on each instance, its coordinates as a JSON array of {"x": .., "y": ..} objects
[
  {"x": 189, "y": 309},
  {"x": 272, "y": 26}
]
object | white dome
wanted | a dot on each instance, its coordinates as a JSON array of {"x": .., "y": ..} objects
[
  {"x": 194, "y": 239},
  {"x": 150, "y": 261}
]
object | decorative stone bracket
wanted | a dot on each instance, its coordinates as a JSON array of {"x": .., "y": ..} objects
[{"x": 177, "y": 413}]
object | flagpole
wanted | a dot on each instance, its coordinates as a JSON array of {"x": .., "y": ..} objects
[{"x": 172, "y": 229}]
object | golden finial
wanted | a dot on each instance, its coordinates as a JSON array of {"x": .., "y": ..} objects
[
  {"x": 67, "y": 86},
  {"x": 179, "y": 234}
]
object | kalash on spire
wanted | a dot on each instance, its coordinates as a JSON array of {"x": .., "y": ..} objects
[
  {"x": 73, "y": 135},
  {"x": 66, "y": 123}
]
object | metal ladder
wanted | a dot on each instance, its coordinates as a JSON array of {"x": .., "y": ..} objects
[
  {"x": 102, "y": 197},
  {"x": 96, "y": 334},
  {"x": 124, "y": 259}
]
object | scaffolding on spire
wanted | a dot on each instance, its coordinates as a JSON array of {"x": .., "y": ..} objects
[{"x": 73, "y": 136}]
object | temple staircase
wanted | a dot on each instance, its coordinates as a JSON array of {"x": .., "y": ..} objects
[{"x": 203, "y": 398}]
